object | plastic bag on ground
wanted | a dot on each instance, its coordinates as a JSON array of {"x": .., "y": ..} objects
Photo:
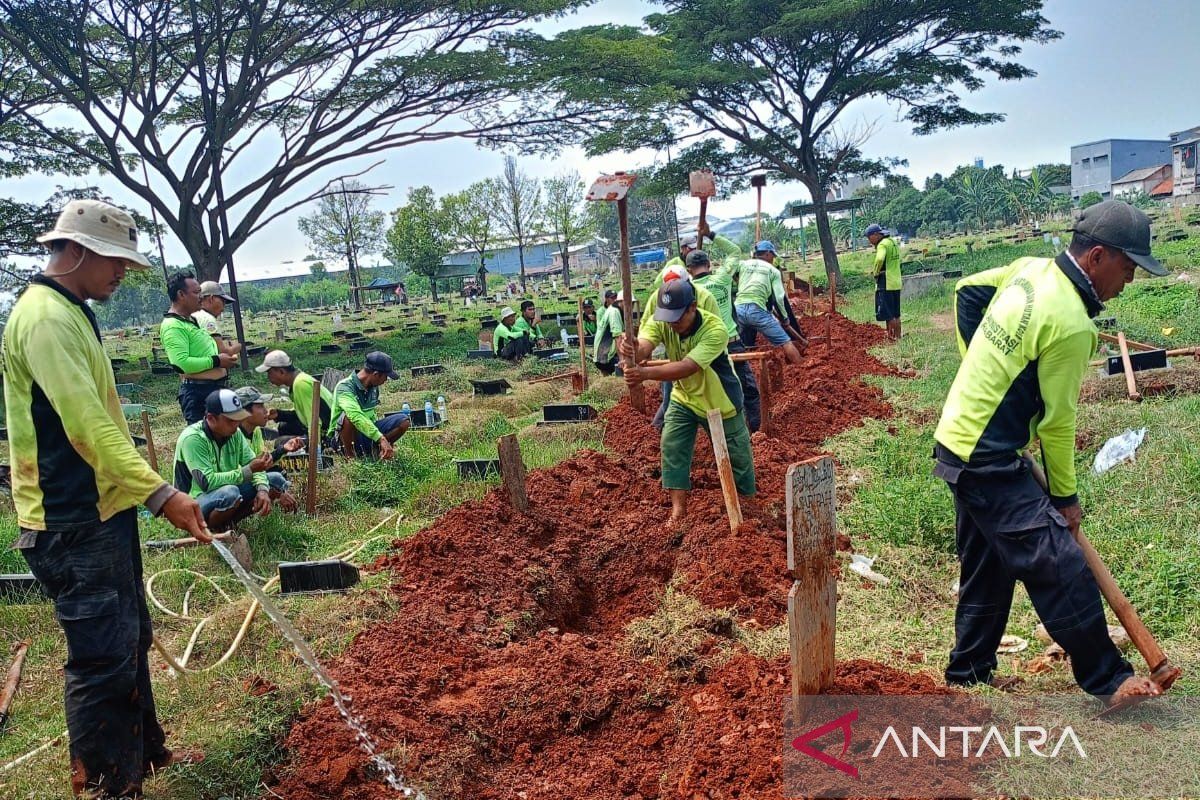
[{"x": 1118, "y": 449}]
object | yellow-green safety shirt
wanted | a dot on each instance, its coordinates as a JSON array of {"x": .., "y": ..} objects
[
  {"x": 887, "y": 262},
  {"x": 302, "y": 398},
  {"x": 974, "y": 293},
  {"x": 1022, "y": 372},
  {"x": 757, "y": 282},
  {"x": 716, "y": 384},
  {"x": 73, "y": 460}
]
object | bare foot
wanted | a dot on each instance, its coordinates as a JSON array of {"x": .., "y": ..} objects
[{"x": 1135, "y": 687}]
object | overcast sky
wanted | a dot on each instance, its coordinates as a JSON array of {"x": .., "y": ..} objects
[{"x": 1124, "y": 68}]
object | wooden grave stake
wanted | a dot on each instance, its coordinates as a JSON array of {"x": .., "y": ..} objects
[
  {"x": 716, "y": 432},
  {"x": 582, "y": 347},
  {"x": 12, "y": 681},
  {"x": 764, "y": 396},
  {"x": 151, "y": 456},
  {"x": 1130, "y": 380},
  {"x": 314, "y": 455},
  {"x": 811, "y": 490},
  {"x": 512, "y": 471}
]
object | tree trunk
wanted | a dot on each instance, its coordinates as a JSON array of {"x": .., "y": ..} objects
[
  {"x": 433, "y": 287},
  {"x": 521, "y": 258},
  {"x": 566, "y": 270},
  {"x": 825, "y": 235},
  {"x": 352, "y": 265}
]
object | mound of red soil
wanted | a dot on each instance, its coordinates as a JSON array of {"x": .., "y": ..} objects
[{"x": 504, "y": 672}]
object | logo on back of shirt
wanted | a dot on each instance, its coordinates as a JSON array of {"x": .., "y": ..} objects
[{"x": 995, "y": 333}]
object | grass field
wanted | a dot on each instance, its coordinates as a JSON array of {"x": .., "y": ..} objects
[{"x": 1141, "y": 516}]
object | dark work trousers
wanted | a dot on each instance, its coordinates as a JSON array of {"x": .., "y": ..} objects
[
  {"x": 289, "y": 424},
  {"x": 192, "y": 395},
  {"x": 94, "y": 575},
  {"x": 661, "y": 413},
  {"x": 750, "y": 397},
  {"x": 1007, "y": 531}
]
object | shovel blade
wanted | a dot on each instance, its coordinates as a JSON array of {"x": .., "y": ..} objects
[
  {"x": 701, "y": 183},
  {"x": 612, "y": 187}
]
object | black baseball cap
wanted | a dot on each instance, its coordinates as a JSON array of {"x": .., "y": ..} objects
[
  {"x": 696, "y": 258},
  {"x": 381, "y": 362},
  {"x": 223, "y": 402},
  {"x": 1116, "y": 224},
  {"x": 610, "y": 294},
  {"x": 674, "y": 297},
  {"x": 588, "y": 303}
]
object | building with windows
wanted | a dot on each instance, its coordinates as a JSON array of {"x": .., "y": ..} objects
[
  {"x": 1183, "y": 162},
  {"x": 1143, "y": 180},
  {"x": 1094, "y": 165}
]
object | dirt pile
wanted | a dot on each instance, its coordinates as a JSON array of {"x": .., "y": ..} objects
[{"x": 505, "y": 672}]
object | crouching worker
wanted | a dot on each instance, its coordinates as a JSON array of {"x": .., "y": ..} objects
[
  {"x": 215, "y": 465},
  {"x": 254, "y": 429},
  {"x": 702, "y": 379},
  {"x": 357, "y": 424},
  {"x": 509, "y": 344}
]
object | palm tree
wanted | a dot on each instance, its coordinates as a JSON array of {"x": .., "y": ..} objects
[
  {"x": 978, "y": 198},
  {"x": 1031, "y": 196}
]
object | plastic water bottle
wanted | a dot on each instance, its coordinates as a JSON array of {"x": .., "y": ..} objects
[
  {"x": 406, "y": 408},
  {"x": 429, "y": 413},
  {"x": 441, "y": 407},
  {"x": 565, "y": 337}
]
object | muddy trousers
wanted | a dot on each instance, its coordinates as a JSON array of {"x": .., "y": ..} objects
[
  {"x": 94, "y": 575},
  {"x": 679, "y": 444},
  {"x": 1007, "y": 531}
]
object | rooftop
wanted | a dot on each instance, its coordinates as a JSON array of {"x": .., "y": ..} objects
[{"x": 1140, "y": 174}]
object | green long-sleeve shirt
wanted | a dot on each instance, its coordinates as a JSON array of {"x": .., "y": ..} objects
[
  {"x": 359, "y": 404},
  {"x": 302, "y": 398},
  {"x": 523, "y": 326},
  {"x": 721, "y": 249},
  {"x": 501, "y": 336},
  {"x": 612, "y": 325},
  {"x": 73, "y": 461},
  {"x": 189, "y": 348},
  {"x": 887, "y": 262},
  {"x": 719, "y": 283},
  {"x": 203, "y": 463},
  {"x": 758, "y": 281},
  {"x": 1021, "y": 375}
]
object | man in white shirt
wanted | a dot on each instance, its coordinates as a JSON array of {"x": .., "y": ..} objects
[{"x": 213, "y": 300}]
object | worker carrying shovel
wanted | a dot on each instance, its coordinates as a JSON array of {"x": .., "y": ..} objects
[
  {"x": 1023, "y": 368},
  {"x": 702, "y": 378}
]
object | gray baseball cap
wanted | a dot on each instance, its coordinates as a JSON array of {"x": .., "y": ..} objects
[
  {"x": 1117, "y": 224},
  {"x": 249, "y": 396}
]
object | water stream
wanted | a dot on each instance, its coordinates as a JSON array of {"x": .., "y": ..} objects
[{"x": 386, "y": 768}]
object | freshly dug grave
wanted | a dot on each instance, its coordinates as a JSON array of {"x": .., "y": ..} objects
[{"x": 506, "y": 672}]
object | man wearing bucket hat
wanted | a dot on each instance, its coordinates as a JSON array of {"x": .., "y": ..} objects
[
  {"x": 358, "y": 426},
  {"x": 508, "y": 343},
  {"x": 1024, "y": 364},
  {"x": 192, "y": 350},
  {"x": 887, "y": 279},
  {"x": 213, "y": 299},
  {"x": 215, "y": 465},
  {"x": 76, "y": 481},
  {"x": 702, "y": 379}
]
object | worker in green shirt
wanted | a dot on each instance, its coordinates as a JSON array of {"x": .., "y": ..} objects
[
  {"x": 610, "y": 327},
  {"x": 215, "y": 465},
  {"x": 281, "y": 372},
  {"x": 974, "y": 293},
  {"x": 357, "y": 424},
  {"x": 704, "y": 301},
  {"x": 191, "y": 349},
  {"x": 77, "y": 480},
  {"x": 759, "y": 283},
  {"x": 719, "y": 248},
  {"x": 254, "y": 428},
  {"x": 1024, "y": 365},
  {"x": 589, "y": 318},
  {"x": 703, "y": 379},
  {"x": 719, "y": 283},
  {"x": 530, "y": 325},
  {"x": 508, "y": 343},
  {"x": 887, "y": 279}
]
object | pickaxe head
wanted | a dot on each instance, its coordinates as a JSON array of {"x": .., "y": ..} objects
[
  {"x": 612, "y": 187},
  {"x": 758, "y": 181},
  {"x": 701, "y": 183}
]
